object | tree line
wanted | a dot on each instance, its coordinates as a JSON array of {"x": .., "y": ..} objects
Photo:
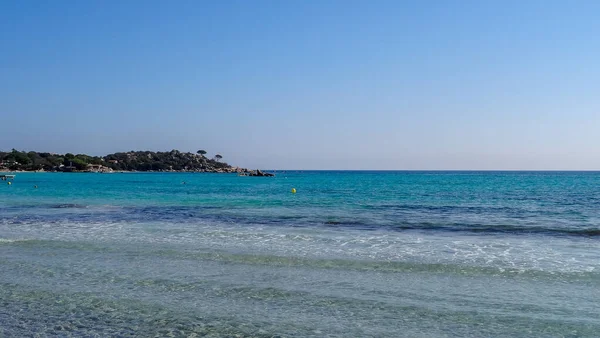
[{"x": 121, "y": 161}]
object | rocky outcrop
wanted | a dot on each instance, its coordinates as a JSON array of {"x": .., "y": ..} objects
[{"x": 257, "y": 173}]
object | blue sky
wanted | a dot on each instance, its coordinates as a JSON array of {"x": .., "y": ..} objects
[{"x": 307, "y": 84}]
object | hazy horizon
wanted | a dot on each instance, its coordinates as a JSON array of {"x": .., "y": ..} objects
[{"x": 338, "y": 85}]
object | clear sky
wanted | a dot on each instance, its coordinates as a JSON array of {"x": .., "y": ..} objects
[{"x": 307, "y": 84}]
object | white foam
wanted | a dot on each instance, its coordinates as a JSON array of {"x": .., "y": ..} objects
[
  {"x": 7, "y": 240},
  {"x": 516, "y": 252}
]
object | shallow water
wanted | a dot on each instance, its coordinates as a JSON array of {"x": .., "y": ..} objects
[{"x": 351, "y": 254}]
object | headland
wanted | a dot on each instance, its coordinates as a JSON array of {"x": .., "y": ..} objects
[{"x": 132, "y": 161}]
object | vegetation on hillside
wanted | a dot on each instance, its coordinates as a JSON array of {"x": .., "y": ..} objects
[{"x": 173, "y": 160}]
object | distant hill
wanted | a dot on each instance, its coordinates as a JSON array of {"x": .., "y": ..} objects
[{"x": 173, "y": 160}]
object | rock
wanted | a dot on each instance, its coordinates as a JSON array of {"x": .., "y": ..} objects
[{"x": 259, "y": 173}]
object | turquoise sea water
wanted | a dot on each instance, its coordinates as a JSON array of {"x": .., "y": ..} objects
[{"x": 351, "y": 254}]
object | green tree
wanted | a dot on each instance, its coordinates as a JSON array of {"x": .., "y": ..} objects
[
  {"x": 218, "y": 157},
  {"x": 20, "y": 157},
  {"x": 96, "y": 160},
  {"x": 79, "y": 164},
  {"x": 56, "y": 161},
  {"x": 201, "y": 152}
]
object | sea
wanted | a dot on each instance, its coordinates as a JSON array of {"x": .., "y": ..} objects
[{"x": 349, "y": 254}]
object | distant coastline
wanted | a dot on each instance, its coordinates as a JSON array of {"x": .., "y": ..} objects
[{"x": 133, "y": 161}]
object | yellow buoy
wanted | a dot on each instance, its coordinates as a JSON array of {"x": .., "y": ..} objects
[
  {"x": 9, "y": 183},
  {"x": 293, "y": 190}
]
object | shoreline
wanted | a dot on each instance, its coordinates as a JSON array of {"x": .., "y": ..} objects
[{"x": 237, "y": 171}]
